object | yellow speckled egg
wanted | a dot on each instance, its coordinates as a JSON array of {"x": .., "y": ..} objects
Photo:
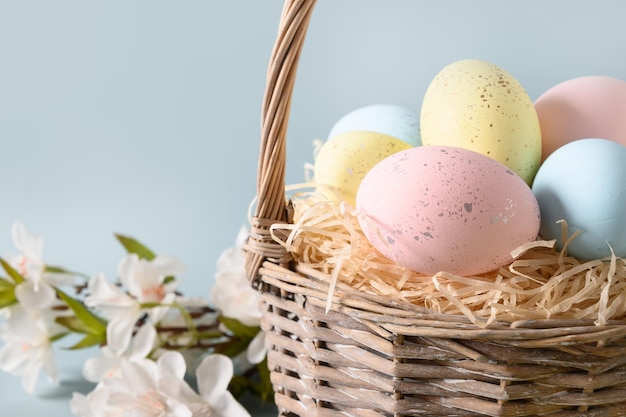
[
  {"x": 343, "y": 160},
  {"x": 476, "y": 105}
]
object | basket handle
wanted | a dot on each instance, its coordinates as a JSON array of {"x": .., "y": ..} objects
[{"x": 271, "y": 206}]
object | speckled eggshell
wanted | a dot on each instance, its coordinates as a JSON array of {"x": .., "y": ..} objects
[
  {"x": 584, "y": 107},
  {"x": 343, "y": 160},
  {"x": 389, "y": 119},
  {"x": 440, "y": 208},
  {"x": 477, "y": 105},
  {"x": 583, "y": 182}
]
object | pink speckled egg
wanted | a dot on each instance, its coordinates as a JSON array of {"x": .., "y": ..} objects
[
  {"x": 441, "y": 208},
  {"x": 583, "y": 107}
]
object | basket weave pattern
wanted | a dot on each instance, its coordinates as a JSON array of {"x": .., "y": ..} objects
[{"x": 372, "y": 355}]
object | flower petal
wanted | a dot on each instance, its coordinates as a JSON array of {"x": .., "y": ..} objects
[
  {"x": 256, "y": 349},
  {"x": 231, "y": 260},
  {"x": 227, "y": 406},
  {"x": 167, "y": 266},
  {"x": 242, "y": 236},
  {"x": 126, "y": 268},
  {"x": 33, "y": 296},
  {"x": 177, "y": 409},
  {"x": 94, "y": 404},
  {"x": 98, "y": 367},
  {"x": 122, "y": 401},
  {"x": 29, "y": 326},
  {"x": 172, "y": 363},
  {"x": 140, "y": 376},
  {"x": 30, "y": 377},
  {"x": 12, "y": 358},
  {"x": 31, "y": 246},
  {"x": 79, "y": 405},
  {"x": 179, "y": 389},
  {"x": 143, "y": 342},
  {"x": 102, "y": 292},
  {"x": 49, "y": 366},
  {"x": 214, "y": 374},
  {"x": 120, "y": 331}
]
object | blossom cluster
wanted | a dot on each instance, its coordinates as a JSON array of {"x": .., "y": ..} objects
[{"x": 150, "y": 337}]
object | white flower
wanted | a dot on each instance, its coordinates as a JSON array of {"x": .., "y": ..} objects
[
  {"x": 95, "y": 403},
  {"x": 36, "y": 291},
  {"x": 119, "y": 308},
  {"x": 146, "y": 281},
  {"x": 232, "y": 293},
  {"x": 146, "y": 284},
  {"x": 214, "y": 400},
  {"x": 27, "y": 349},
  {"x": 214, "y": 375},
  {"x": 29, "y": 262},
  {"x": 144, "y": 396},
  {"x": 108, "y": 365},
  {"x": 157, "y": 389}
]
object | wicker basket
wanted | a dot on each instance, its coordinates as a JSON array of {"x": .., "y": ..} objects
[{"x": 376, "y": 356}]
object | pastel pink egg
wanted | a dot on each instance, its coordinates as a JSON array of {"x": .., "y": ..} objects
[
  {"x": 584, "y": 107},
  {"x": 440, "y": 208}
]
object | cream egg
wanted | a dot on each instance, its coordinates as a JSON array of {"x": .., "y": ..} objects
[
  {"x": 343, "y": 160},
  {"x": 477, "y": 105}
]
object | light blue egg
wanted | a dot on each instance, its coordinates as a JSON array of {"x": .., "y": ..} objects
[
  {"x": 584, "y": 183},
  {"x": 392, "y": 120}
]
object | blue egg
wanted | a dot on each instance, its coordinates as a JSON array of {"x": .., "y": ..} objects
[
  {"x": 392, "y": 120},
  {"x": 584, "y": 183}
]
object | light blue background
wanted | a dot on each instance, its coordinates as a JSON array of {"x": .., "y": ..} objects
[{"x": 142, "y": 116}]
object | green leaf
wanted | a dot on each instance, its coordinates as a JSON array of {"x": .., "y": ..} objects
[
  {"x": 60, "y": 270},
  {"x": 6, "y": 285},
  {"x": 134, "y": 246},
  {"x": 88, "y": 341},
  {"x": 265, "y": 388},
  {"x": 238, "y": 328},
  {"x": 73, "y": 323},
  {"x": 57, "y": 270},
  {"x": 58, "y": 336},
  {"x": 94, "y": 324},
  {"x": 239, "y": 385},
  {"x": 210, "y": 334},
  {"x": 150, "y": 304},
  {"x": 7, "y": 298},
  {"x": 17, "y": 278},
  {"x": 233, "y": 349}
]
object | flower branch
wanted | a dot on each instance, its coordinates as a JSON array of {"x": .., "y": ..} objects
[{"x": 148, "y": 334}]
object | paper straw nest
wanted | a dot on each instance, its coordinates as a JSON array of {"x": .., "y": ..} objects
[{"x": 540, "y": 282}]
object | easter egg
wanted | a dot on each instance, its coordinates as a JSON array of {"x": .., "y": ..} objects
[
  {"x": 440, "y": 208},
  {"x": 343, "y": 160},
  {"x": 583, "y": 107},
  {"x": 582, "y": 182},
  {"x": 389, "y": 119},
  {"x": 477, "y": 105}
]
